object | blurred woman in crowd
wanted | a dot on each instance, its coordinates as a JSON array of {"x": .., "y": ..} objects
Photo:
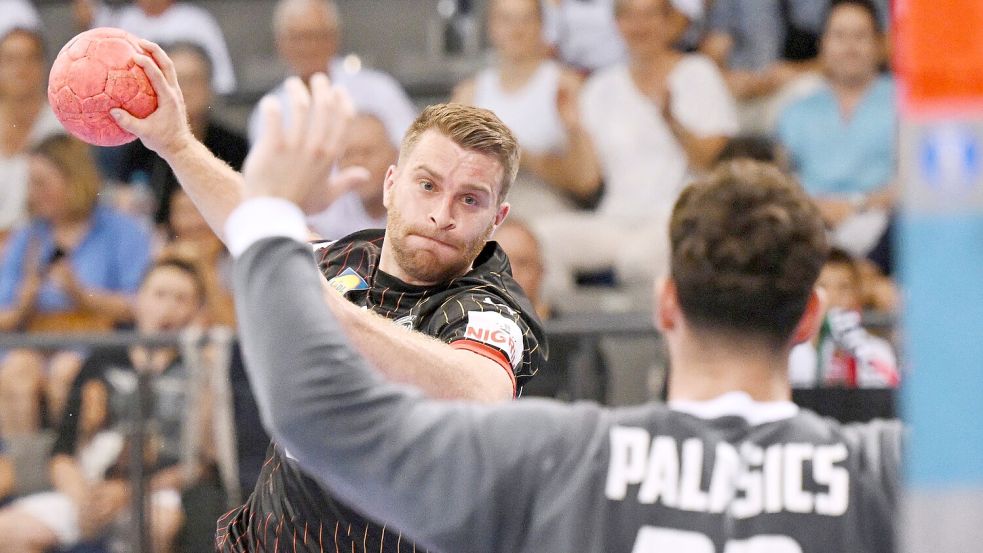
[
  {"x": 74, "y": 266},
  {"x": 25, "y": 119},
  {"x": 538, "y": 99}
]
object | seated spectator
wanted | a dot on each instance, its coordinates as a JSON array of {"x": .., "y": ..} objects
[
  {"x": 369, "y": 146},
  {"x": 166, "y": 22},
  {"x": 583, "y": 33},
  {"x": 90, "y": 457},
  {"x": 841, "y": 140},
  {"x": 767, "y": 51},
  {"x": 307, "y": 34},
  {"x": 191, "y": 240},
  {"x": 25, "y": 119},
  {"x": 537, "y": 98},
  {"x": 75, "y": 266},
  {"x": 18, "y": 14},
  {"x": 654, "y": 122},
  {"x": 141, "y": 167},
  {"x": 554, "y": 379},
  {"x": 844, "y": 353}
]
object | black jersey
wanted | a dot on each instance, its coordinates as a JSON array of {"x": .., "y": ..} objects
[{"x": 483, "y": 311}]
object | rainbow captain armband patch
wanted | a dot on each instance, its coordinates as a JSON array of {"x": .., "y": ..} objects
[
  {"x": 493, "y": 329},
  {"x": 348, "y": 280}
]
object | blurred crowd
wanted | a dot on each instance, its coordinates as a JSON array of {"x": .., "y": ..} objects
[{"x": 617, "y": 105}]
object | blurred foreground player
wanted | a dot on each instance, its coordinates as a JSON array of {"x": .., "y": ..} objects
[
  {"x": 729, "y": 465},
  {"x": 432, "y": 271}
]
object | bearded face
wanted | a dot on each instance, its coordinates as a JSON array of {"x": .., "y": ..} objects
[{"x": 429, "y": 256}]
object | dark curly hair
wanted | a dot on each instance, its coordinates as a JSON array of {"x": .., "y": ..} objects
[{"x": 747, "y": 247}]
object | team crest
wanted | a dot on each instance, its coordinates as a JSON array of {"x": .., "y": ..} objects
[{"x": 348, "y": 280}]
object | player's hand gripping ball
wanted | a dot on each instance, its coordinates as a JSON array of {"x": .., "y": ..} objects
[{"x": 94, "y": 73}]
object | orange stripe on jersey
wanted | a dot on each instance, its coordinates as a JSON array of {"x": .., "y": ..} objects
[{"x": 489, "y": 352}]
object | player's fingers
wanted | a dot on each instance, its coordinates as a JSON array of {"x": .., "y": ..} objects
[
  {"x": 126, "y": 121},
  {"x": 154, "y": 74},
  {"x": 298, "y": 107},
  {"x": 271, "y": 117},
  {"x": 321, "y": 107},
  {"x": 162, "y": 60},
  {"x": 350, "y": 177},
  {"x": 342, "y": 113}
]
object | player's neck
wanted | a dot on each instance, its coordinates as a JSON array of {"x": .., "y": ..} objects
[{"x": 703, "y": 369}]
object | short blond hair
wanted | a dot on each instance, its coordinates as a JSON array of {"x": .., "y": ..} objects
[
  {"x": 73, "y": 159},
  {"x": 471, "y": 128}
]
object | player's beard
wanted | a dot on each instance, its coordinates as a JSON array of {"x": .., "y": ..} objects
[{"x": 423, "y": 265}]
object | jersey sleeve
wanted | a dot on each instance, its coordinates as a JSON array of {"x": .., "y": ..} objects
[{"x": 484, "y": 323}]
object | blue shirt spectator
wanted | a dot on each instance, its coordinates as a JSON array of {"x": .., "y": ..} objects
[
  {"x": 837, "y": 156},
  {"x": 112, "y": 257}
]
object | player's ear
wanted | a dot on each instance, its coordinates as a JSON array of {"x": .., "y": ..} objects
[
  {"x": 387, "y": 184},
  {"x": 503, "y": 212},
  {"x": 812, "y": 317},
  {"x": 666, "y": 308}
]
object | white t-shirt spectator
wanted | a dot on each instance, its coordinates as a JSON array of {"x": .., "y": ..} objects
[
  {"x": 182, "y": 22},
  {"x": 643, "y": 164},
  {"x": 372, "y": 91},
  {"x": 18, "y": 14},
  {"x": 13, "y": 172},
  {"x": 345, "y": 216}
]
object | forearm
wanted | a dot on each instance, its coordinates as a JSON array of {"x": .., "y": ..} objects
[
  {"x": 11, "y": 319},
  {"x": 213, "y": 186},
  {"x": 409, "y": 357},
  {"x": 575, "y": 171},
  {"x": 116, "y": 307},
  {"x": 701, "y": 151}
]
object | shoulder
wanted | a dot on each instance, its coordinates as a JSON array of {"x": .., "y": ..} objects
[
  {"x": 185, "y": 11},
  {"x": 115, "y": 220},
  {"x": 357, "y": 251},
  {"x": 696, "y": 66}
]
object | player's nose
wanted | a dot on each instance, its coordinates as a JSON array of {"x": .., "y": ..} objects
[{"x": 442, "y": 215}]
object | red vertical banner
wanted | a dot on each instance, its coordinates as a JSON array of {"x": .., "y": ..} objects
[{"x": 938, "y": 54}]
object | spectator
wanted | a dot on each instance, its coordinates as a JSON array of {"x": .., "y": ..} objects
[
  {"x": 654, "y": 121},
  {"x": 307, "y": 34},
  {"x": 25, "y": 119},
  {"x": 191, "y": 240},
  {"x": 844, "y": 354},
  {"x": 140, "y": 166},
  {"x": 767, "y": 51},
  {"x": 74, "y": 266},
  {"x": 368, "y": 146},
  {"x": 88, "y": 465},
  {"x": 841, "y": 140},
  {"x": 166, "y": 22},
  {"x": 537, "y": 98},
  {"x": 18, "y": 14},
  {"x": 583, "y": 33}
]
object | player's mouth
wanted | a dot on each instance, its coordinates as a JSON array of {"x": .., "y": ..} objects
[{"x": 437, "y": 241}]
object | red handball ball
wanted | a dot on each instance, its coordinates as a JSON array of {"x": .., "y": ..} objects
[{"x": 94, "y": 73}]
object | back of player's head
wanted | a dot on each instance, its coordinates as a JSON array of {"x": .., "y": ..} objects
[
  {"x": 471, "y": 128},
  {"x": 747, "y": 247}
]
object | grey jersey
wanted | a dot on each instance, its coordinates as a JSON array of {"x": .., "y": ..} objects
[{"x": 541, "y": 476}]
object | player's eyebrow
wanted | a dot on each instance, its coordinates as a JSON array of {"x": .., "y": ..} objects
[{"x": 428, "y": 170}]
